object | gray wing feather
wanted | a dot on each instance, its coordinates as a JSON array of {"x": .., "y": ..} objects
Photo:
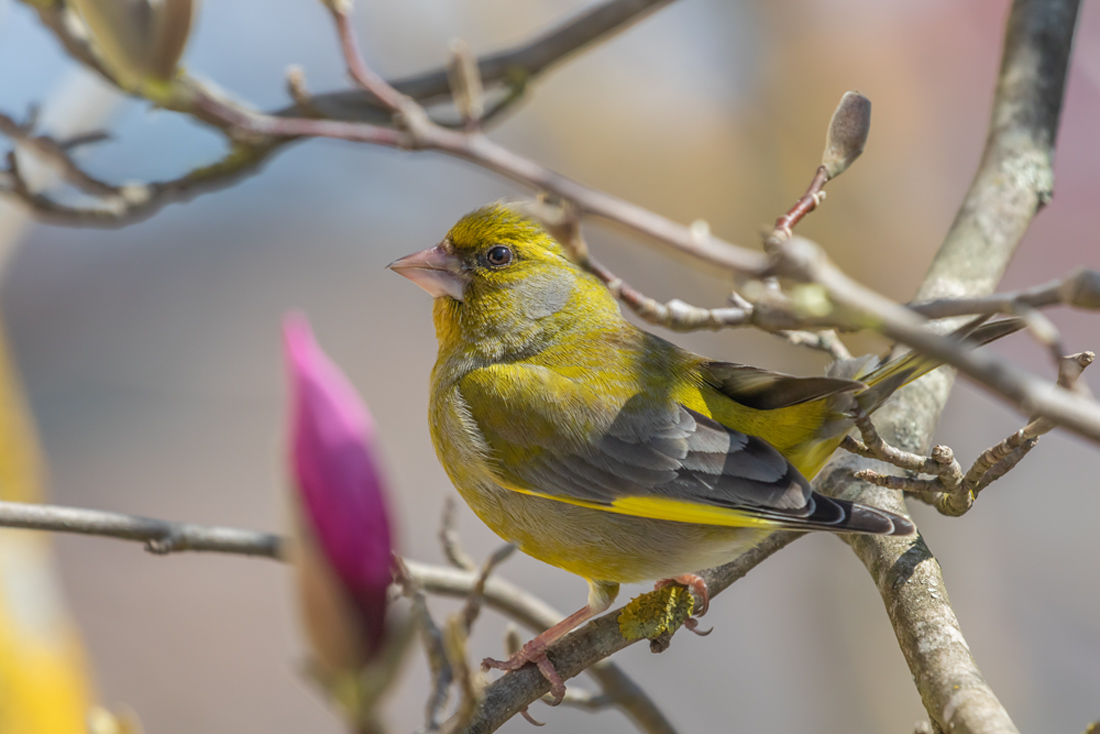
[
  {"x": 680, "y": 454},
  {"x": 766, "y": 390}
]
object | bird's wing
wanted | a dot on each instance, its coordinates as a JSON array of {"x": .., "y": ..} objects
[
  {"x": 766, "y": 390},
  {"x": 556, "y": 438}
]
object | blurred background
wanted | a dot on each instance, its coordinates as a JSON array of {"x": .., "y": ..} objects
[{"x": 151, "y": 354}]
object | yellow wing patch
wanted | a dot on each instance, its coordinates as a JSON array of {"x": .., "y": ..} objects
[{"x": 666, "y": 508}]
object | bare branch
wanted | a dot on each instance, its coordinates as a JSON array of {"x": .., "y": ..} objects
[
  {"x": 805, "y": 262},
  {"x": 372, "y": 83},
  {"x": 795, "y": 257},
  {"x": 448, "y": 538},
  {"x": 1080, "y": 289},
  {"x": 472, "y": 608},
  {"x": 162, "y": 536},
  {"x": 139, "y": 202},
  {"x": 159, "y": 536},
  {"x": 1013, "y": 181},
  {"x": 524, "y": 62},
  {"x": 470, "y": 681},
  {"x": 432, "y": 639},
  {"x": 597, "y": 640},
  {"x": 825, "y": 340},
  {"x": 842, "y": 302},
  {"x": 513, "y": 69},
  {"x": 56, "y": 154},
  {"x": 521, "y": 606},
  {"x": 998, "y": 460},
  {"x": 561, "y": 220}
]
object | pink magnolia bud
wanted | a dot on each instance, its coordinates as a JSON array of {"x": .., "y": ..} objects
[{"x": 344, "y": 533}]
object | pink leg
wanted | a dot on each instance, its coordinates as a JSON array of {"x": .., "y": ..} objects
[{"x": 600, "y": 596}]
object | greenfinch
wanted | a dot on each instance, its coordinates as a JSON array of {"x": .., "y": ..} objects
[{"x": 609, "y": 452}]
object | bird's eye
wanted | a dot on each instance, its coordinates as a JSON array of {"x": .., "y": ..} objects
[{"x": 499, "y": 256}]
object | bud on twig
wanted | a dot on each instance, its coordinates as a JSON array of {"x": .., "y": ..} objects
[
  {"x": 465, "y": 79},
  {"x": 847, "y": 133},
  {"x": 139, "y": 41},
  {"x": 343, "y": 549},
  {"x": 341, "y": 7}
]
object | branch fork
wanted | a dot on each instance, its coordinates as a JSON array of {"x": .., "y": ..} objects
[{"x": 951, "y": 491}]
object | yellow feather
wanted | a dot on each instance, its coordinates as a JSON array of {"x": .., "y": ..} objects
[{"x": 665, "y": 508}]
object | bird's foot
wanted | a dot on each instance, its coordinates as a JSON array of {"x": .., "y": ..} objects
[
  {"x": 533, "y": 652},
  {"x": 698, "y": 587}
]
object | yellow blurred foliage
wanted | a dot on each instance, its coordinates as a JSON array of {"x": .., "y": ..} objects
[{"x": 44, "y": 688}]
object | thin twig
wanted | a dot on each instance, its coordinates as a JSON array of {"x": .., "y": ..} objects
[
  {"x": 392, "y": 100},
  {"x": 57, "y": 154},
  {"x": 521, "y": 606},
  {"x": 170, "y": 537},
  {"x": 512, "y": 69},
  {"x": 448, "y": 538},
  {"x": 434, "y": 645},
  {"x": 850, "y": 304},
  {"x": 1080, "y": 289},
  {"x": 806, "y": 262},
  {"x": 951, "y": 492},
  {"x": 1043, "y": 330},
  {"x": 472, "y": 608},
  {"x": 470, "y": 680},
  {"x": 826, "y": 340},
  {"x": 159, "y": 536},
  {"x": 561, "y": 220}
]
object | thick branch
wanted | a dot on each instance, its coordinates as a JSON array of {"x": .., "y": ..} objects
[
  {"x": 584, "y": 648},
  {"x": 1013, "y": 181}
]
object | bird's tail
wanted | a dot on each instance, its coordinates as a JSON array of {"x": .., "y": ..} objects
[
  {"x": 843, "y": 516},
  {"x": 886, "y": 377}
]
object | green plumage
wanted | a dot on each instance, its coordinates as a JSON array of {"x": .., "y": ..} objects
[
  {"x": 603, "y": 449},
  {"x": 607, "y": 451}
]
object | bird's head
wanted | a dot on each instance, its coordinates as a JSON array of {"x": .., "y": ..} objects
[{"x": 497, "y": 274}]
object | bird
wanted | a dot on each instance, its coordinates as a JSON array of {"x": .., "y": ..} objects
[{"x": 610, "y": 452}]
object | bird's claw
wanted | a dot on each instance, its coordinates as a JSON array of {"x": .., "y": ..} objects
[
  {"x": 692, "y": 625},
  {"x": 530, "y": 719},
  {"x": 532, "y": 653},
  {"x": 698, "y": 587}
]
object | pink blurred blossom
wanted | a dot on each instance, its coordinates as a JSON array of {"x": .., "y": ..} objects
[{"x": 344, "y": 528}]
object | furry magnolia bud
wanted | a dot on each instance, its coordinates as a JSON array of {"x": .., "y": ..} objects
[
  {"x": 847, "y": 133},
  {"x": 139, "y": 41}
]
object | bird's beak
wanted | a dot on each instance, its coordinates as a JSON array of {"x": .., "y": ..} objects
[{"x": 435, "y": 270}]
